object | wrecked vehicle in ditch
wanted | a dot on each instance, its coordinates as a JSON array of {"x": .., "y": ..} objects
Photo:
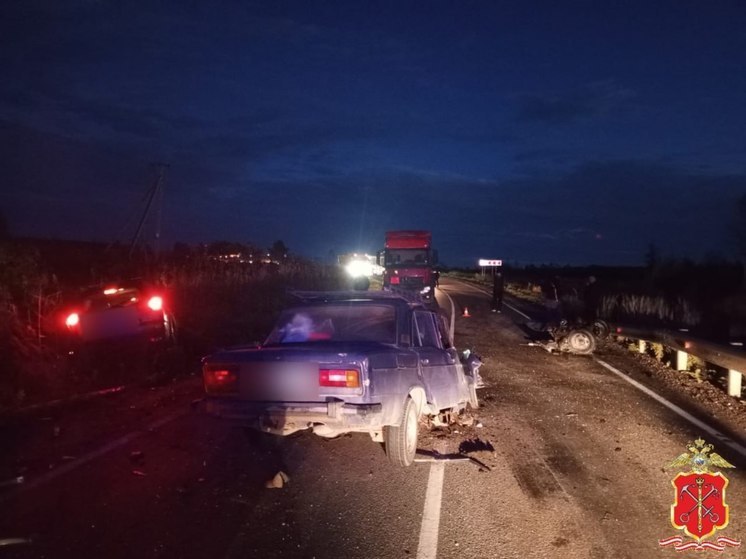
[{"x": 341, "y": 362}]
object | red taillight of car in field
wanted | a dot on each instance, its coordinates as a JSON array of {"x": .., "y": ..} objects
[
  {"x": 155, "y": 303},
  {"x": 220, "y": 378},
  {"x": 340, "y": 378},
  {"x": 72, "y": 320}
]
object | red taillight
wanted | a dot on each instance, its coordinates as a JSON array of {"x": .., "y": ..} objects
[
  {"x": 220, "y": 378},
  {"x": 155, "y": 303},
  {"x": 394, "y": 280},
  {"x": 72, "y": 320},
  {"x": 343, "y": 378}
]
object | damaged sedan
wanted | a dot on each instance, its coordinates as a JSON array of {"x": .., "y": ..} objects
[{"x": 339, "y": 362}]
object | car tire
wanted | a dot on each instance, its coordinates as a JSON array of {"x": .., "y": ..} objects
[
  {"x": 600, "y": 329},
  {"x": 400, "y": 441},
  {"x": 580, "y": 342}
]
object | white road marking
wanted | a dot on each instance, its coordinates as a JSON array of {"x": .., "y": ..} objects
[
  {"x": 428, "y": 545},
  {"x": 676, "y": 409},
  {"x": 70, "y": 466}
]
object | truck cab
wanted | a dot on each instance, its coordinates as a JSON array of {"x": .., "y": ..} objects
[{"x": 408, "y": 261}]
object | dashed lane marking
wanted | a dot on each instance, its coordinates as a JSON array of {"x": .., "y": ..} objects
[{"x": 427, "y": 548}]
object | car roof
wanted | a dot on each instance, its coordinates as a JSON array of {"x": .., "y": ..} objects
[{"x": 391, "y": 297}]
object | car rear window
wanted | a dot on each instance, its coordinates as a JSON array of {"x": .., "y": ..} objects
[
  {"x": 336, "y": 323},
  {"x": 121, "y": 298}
]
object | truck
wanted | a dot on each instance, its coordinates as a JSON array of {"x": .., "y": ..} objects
[{"x": 408, "y": 261}]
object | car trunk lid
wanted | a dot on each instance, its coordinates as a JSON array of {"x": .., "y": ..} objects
[{"x": 293, "y": 374}]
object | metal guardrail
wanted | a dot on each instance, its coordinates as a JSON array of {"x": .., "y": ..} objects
[{"x": 728, "y": 357}]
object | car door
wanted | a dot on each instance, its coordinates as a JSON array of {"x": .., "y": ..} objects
[{"x": 436, "y": 364}]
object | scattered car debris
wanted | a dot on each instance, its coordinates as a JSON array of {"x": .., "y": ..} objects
[
  {"x": 278, "y": 481},
  {"x": 465, "y": 420},
  {"x": 137, "y": 456},
  {"x": 18, "y": 480},
  {"x": 435, "y": 456},
  {"x": 13, "y": 541}
]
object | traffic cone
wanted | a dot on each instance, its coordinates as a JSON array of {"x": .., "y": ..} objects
[{"x": 466, "y": 312}]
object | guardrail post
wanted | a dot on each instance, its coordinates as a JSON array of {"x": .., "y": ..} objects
[
  {"x": 734, "y": 383},
  {"x": 642, "y": 346},
  {"x": 682, "y": 360}
]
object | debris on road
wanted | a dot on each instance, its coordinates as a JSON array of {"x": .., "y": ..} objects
[
  {"x": 278, "y": 481},
  {"x": 139, "y": 473},
  {"x": 435, "y": 456},
  {"x": 13, "y": 541},
  {"x": 465, "y": 420},
  {"x": 18, "y": 480},
  {"x": 137, "y": 456}
]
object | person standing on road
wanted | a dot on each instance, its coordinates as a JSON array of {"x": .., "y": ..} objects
[
  {"x": 498, "y": 288},
  {"x": 591, "y": 299},
  {"x": 551, "y": 294}
]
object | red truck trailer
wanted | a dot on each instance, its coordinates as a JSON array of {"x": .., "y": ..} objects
[{"x": 408, "y": 260}]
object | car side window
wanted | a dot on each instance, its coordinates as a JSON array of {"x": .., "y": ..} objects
[
  {"x": 445, "y": 336},
  {"x": 426, "y": 332}
]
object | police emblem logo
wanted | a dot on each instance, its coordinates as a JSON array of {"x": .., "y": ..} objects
[{"x": 699, "y": 509}]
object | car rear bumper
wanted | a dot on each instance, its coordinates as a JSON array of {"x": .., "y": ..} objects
[{"x": 283, "y": 418}]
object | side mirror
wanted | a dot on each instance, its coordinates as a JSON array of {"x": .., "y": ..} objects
[
  {"x": 435, "y": 257},
  {"x": 380, "y": 257}
]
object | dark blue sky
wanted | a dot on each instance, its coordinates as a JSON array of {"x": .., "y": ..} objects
[{"x": 570, "y": 132}]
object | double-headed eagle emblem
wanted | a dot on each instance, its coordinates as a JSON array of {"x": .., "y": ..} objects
[{"x": 700, "y": 457}]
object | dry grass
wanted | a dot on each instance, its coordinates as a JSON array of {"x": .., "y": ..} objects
[
  {"x": 645, "y": 309},
  {"x": 215, "y": 304}
]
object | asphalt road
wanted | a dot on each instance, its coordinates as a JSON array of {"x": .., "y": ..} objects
[{"x": 571, "y": 458}]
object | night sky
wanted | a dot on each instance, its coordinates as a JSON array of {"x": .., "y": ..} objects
[{"x": 536, "y": 132}]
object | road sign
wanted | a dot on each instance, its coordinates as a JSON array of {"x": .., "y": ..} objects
[{"x": 483, "y": 262}]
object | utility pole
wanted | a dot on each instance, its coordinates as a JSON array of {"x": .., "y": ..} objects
[{"x": 154, "y": 194}]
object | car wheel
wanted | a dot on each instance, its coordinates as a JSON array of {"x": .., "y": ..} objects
[
  {"x": 580, "y": 342},
  {"x": 600, "y": 329},
  {"x": 401, "y": 440}
]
